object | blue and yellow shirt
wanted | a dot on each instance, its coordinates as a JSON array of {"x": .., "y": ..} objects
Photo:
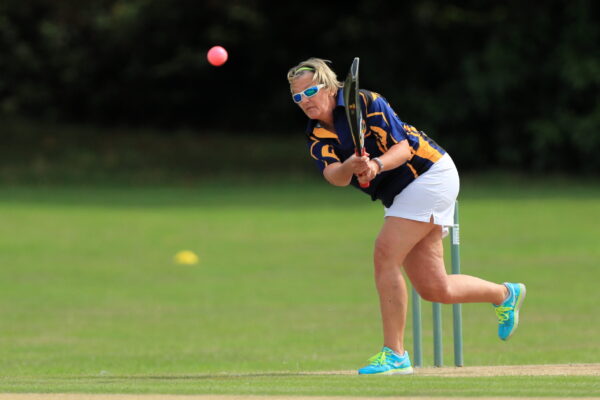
[{"x": 384, "y": 129}]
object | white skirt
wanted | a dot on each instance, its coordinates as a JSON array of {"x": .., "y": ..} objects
[{"x": 431, "y": 195}]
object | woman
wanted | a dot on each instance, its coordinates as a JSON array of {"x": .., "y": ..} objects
[{"x": 417, "y": 182}]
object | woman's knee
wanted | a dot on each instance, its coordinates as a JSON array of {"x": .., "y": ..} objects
[
  {"x": 385, "y": 255},
  {"x": 436, "y": 292}
]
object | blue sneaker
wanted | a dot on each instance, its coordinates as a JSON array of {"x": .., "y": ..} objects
[
  {"x": 508, "y": 312},
  {"x": 388, "y": 362}
]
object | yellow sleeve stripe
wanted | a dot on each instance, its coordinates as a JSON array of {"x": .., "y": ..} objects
[
  {"x": 411, "y": 130},
  {"x": 327, "y": 151},
  {"x": 312, "y": 146},
  {"x": 323, "y": 133},
  {"x": 381, "y": 135},
  {"x": 382, "y": 116}
]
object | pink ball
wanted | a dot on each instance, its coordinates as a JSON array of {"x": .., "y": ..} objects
[{"x": 217, "y": 56}]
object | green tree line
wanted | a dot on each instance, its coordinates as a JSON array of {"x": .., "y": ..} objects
[{"x": 508, "y": 84}]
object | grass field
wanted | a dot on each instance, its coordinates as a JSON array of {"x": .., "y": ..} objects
[{"x": 90, "y": 300}]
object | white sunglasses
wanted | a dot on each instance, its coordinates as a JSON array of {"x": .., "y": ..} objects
[{"x": 309, "y": 92}]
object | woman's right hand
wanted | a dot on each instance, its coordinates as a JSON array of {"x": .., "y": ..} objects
[
  {"x": 358, "y": 165},
  {"x": 340, "y": 174}
]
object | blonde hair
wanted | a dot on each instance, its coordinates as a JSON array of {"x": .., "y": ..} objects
[{"x": 322, "y": 73}]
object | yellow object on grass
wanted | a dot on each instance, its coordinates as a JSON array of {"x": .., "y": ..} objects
[{"x": 186, "y": 257}]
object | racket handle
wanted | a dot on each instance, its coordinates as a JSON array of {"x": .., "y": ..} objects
[{"x": 363, "y": 185}]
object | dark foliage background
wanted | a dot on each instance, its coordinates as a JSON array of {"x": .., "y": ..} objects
[{"x": 507, "y": 84}]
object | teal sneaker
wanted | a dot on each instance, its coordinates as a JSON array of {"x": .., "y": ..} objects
[
  {"x": 388, "y": 362},
  {"x": 508, "y": 312}
]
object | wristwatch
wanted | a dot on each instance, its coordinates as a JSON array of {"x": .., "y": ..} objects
[{"x": 380, "y": 163}]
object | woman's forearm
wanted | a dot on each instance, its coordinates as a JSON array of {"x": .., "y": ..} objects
[
  {"x": 338, "y": 174},
  {"x": 396, "y": 156}
]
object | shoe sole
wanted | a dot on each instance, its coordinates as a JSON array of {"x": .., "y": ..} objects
[
  {"x": 403, "y": 371},
  {"x": 522, "y": 294}
]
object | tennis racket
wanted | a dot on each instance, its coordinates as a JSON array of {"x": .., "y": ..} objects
[{"x": 353, "y": 112}]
